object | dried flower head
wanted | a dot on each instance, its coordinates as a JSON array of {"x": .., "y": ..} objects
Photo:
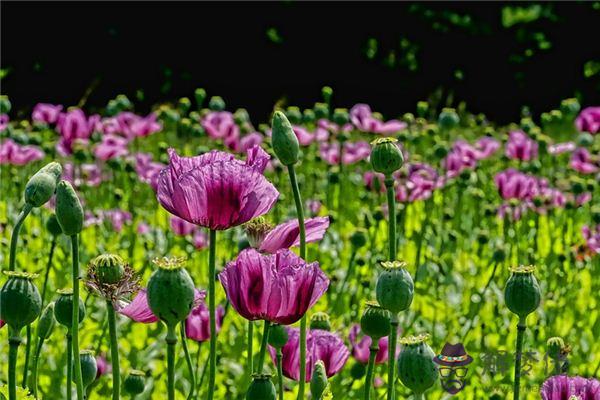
[
  {"x": 169, "y": 263},
  {"x": 414, "y": 340},
  {"x": 522, "y": 269},
  {"x": 125, "y": 283}
]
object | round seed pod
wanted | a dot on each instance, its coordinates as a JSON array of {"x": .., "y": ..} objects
[
  {"x": 359, "y": 238},
  {"x": 320, "y": 320},
  {"x": 89, "y": 368},
  {"x": 341, "y": 116},
  {"x": 278, "y": 336},
  {"x": 283, "y": 139},
  {"x": 135, "y": 383},
  {"x": 109, "y": 268},
  {"x": 63, "y": 308},
  {"x": 321, "y": 110},
  {"x": 375, "y": 321},
  {"x": 358, "y": 370},
  {"x": 448, "y": 118},
  {"x": 327, "y": 92},
  {"x": 200, "y": 96},
  {"x": 20, "y": 300},
  {"x": 68, "y": 209},
  {"x": 416, "y": 368},
  {"x": 42, "y": 185},
  {"x": 53, "y": 226},
  {"x": 395, "y": 287},
  {"x": 5, "y": 105},
  {"x": 171, "y": 291},
  {"x": 318, "y": 382},
  {"x": 294, "y": 115},
  {"x": 522, "y": 293},
  {"x": 386, "y": 156},
  {"x": 46, "y": 322},
  {"x": 261, "y": 388},
  {"x": 216, "y": 103}
]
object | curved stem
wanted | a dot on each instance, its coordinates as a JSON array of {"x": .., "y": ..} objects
[
  {"x": 518, "y": 354},
  {"x": 250, "y": 351},
  {"x": 114, "y": 350},
  {"x": 171, "y": 340},
  {"x": 188, "y": 359},
  {"x": 48, "y": 268},
  {"x": 391, "y": 394},
  {"x": 15, "y": 235},
  {"x": 13, "y": 342},
  {"x": 300, "y": 215},
  {"x": 34, "y": 371},
  {"x": 280, "y": 373},
  {"x": 69, "y": 365},
  {"x": 391, "y": 201},
  {"x": 75, "y": 316},
  {"x": 212, "y": 362},
  {"x": 263, "y": 348},
  {"x": 27, "y": 352},
  {"x": 370, "y": 367}
]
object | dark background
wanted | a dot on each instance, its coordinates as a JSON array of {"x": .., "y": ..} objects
[{"x": 54, "y": 52}]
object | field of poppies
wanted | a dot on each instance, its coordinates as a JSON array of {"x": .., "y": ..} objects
[{"x": 333, "y": 253}]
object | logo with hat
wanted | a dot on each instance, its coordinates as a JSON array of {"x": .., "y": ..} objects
[{"x": 453, "y": 362}]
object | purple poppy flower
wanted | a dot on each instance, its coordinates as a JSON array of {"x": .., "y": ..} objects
[
  {"x": 560, "y": 148},
  {"x": 220, "y": 125},
  {"x": 462, "y": 156},
  {"x": 147, "y": 170},
  {"x": 15, "y": 154},
  {"x": 360, "y": 348},
  {"x": 138, "y": 309},
  {"x": 588, "y": 120},
  {"x": 486, "y": 147},
  {"x": 117, "y": 217},
  {"x": 4, "y": 120},
  {"x": 304, "y": 137},
  {"x": 592, "y": 238},
  {"x": 521, "y": 147},
  {"x": 103, "y": 366},
  {"x": 215, "y": 190},
  {"x": 1, "y": 323},
  {"x": 563, "y": 387},
  {"x": 197, "y": 324},
  {"x": 143, "y": 228},
  {"x": 73, "y": 127},
  {"x": 145, "y": 126},
  {"x": 374, "y": 181},
  {"x": 314, "y": 206},
  {"x": 353, "y": 152},
  {"x": 46, "y": 113},
  {"x": 111, "y": 147},
  {"x": 200, "y": 239},
  {"x": 362, "y": 118},
  {"x": 582, "y": 161},
  {"x": 86, "y": 174},
  {"x": 248, "y": 141},
  {"x": 287, "y": 235},
  {"x": 320, "y": 345},
  {"x": 416, "y": 181},
  {"x": 181, "y": 227},
  {"x": 513, "y": 184},
  {"x": 278, "y": 287}
]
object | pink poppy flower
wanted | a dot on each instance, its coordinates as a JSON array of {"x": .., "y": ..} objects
[
  {"x": 15, "y": 154},
  {"x": 109, "y": 126},
  {"x": 147, "y": 170},
  {"x": 86, "y": 174},
  {"x": 103, "y": 366},
  {"x": 138, "y": 309},
  {"x": 513, "y": 184},
  {"x": 4, "y": 120},
  {"x": 582, "y": 161},
  {"x": 287, "y": 235},
  {"x": 181, "y": 227},
  {"x": 215, "y": 190},
  {"x": 592, "y": 238},
  {"x": 563, "y": 387},
  {"x": 143, "y": 228},
  {"x": 200, "y": 239},
  {"x": 279, "y": 287},
  {"x": 362, "y": 118},
  {"x": 588, "y": 120},
  {"x": 46, "y": 113},
  {"x": 111, "y": 147},
  {"x": 416, "y": 182},
  {"x": 353, "y": 152},
  {"x": 117, "y": 217},
  {"x": 486, "y": 147},
  {"x": 314, "y": 206},
  {"x": 374, "y": 181},
  {"x": 321, "y": 345},
  {"x": 360, "y": 348},
  {"x": 521, "y": 147},
  {"x": 73, "y": 127},
  {"x": 145, "y": 126},
  {"x": 197, "y": 324},
  {"x": 220, "y": 125}
]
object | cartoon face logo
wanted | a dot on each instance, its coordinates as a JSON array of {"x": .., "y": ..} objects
[{"x": 453, "y": 362}]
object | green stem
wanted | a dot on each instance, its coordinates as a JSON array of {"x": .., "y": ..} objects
[
  {"x": 15, "y": 235},
  {"x": 171, "y": 340},
  {"x": 114, "y": 350},
  {"x": 199, "y": 384},
  {"x": 263, "y": 347},
  {"x": 369, "y": 377},
  {"x": 13, "y": 341},
  {"x": 349, "y": 273},
  {"x": 27, "y": 352},
  {"x": 300, "y": 215},
  {"x": 250, "y": 351},
  {"x": 518, "y": 355},
  {"x": 188, "y": 360},
  {"x": 69, "y": 364},
  {"x": 212, "y": 361},
  {"x": 418, "y": 396},
  {"x": 280, "y": 373},
  {"x": 391, "y": 200},
  {"x": 392, "y": 357},
  {"x": 34, "y": 371},
  {"x": 48, "y": 268},
  {"x": 75, "y": 316}
]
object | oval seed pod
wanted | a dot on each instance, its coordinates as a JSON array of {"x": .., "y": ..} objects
[
  {"x": 170, "y": 291},
  {"x": 109, "y": 268},
  {"x": 89, "y": 368},
  {"x": 135, "y": 383},
  {"x": 68, "y": 209},
  {"x": 63, "y": 308},
  {"x": 320, "y": 320},
  {"x": 358, "y": 238},
  {"x": 386, "y": 156},
  {"x": 448, "y": 118},
  {"x": 53, "y": 226},
  {"x": 20, "y": 300},
  {"x": 522, "y": 293},
  {"x": 416, "y": 368},
  {"x": 318, "y": 382},
  {"x": 42, "y": 185},
  {"x": 261, "y": 388},
  {"x": 283, "y": 139},
  {"x": 395, "y": 287},
  {"x": 278, "y": 336},
  {"x": 46, "y": 322},
  {"x": 375, "y": 321}
]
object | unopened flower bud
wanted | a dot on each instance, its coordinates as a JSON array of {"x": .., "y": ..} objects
[
  {"x": 216, "y": 103},
  {"x": 320, "y": 320},
  {"x": 416, "y": 368},
  {"x": 596, "y": 214},
  {"x": 63, "y": 308},
  {"x": 108, "y": 268},
  {"x": 42, "y": 185},
  {"x": 395, "y": 287},
  {"x": 46, "y": 322},
  {"x": 522, "y": 292},
  {"x": 448, "y": 118},
  {"x": 440, "y": 151},
  {"x": 278, "y": 336},
  {"x": 89, "y": 368},
  {"x": 555, "y": 346},
  {"x": 386, "y": 156},
  {"x": 284, "y": 141},
  {"x": 135, "y": 383},
  {"x": 358, "y": 239},
  {"x": 375, "y": 321},
  {"x": 68, "y": 209},
  {"x": 20, "y": 300},
  {"x": 261, "y": 388},
  {"x": 53, "y": 226},
  {"x": 318, "y": 382}
]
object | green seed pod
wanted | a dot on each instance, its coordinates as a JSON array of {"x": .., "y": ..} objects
[
  {"x": 570, "y": 107},
  {"x": 53, "y": 226},
  {"x": 358, "y": 370},
  {"x": 184, "y": 104},
  {"x": 5, "y": 105},
  {"x": 375, "y": 321},
  {"x": 416, "y": 368},
  {"x": 135, "y": 383},
  {"x": 341, "y": 116},
  {"x": 555, "y": 346},
  {"x": 294, "y": 115},
  {"x": 109, "y": 268},
  {"x": 318, "y": 382},
  {"x": 309, "y": 116},
  {"x": 216, "y": 103},
  {"x": 278, "y": 336},
  {"x": 200, "y": 95},
  {"x": 20, "y": 300},
  {"x": 261, "y": 388},
  {"x": 170, "y": 291},
  {"x": 321, "y": 110},
  {"x": 386, "y": 156},
  {"x": 422, "y": 108},
  {"x": 68, "y": 209},
  {"x": 63, "y": 308},
  {"x": 359, "y": 238},
  {"x": 89, "y": 368},
  {"x": 42, "y": 185},
  {"x": 123, "y": 102},
  {"x": 522, "y": 292},
  {"x": 284, "y": 140},
  {"x": 320, "y": 320},
  {"x": 395, "y": 287},
  {"x": 46, "y": 322},
  {"x": 499, "y": 255},
  {"x": 440, "y": 150},
  {"x": 585, "y": 139},
  {"x": 327, "y": 92},
  {"x": 448, "y": 118}
]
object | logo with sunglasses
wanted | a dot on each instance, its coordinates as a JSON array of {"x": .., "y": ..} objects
[{"x": 453, "y": 369}]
